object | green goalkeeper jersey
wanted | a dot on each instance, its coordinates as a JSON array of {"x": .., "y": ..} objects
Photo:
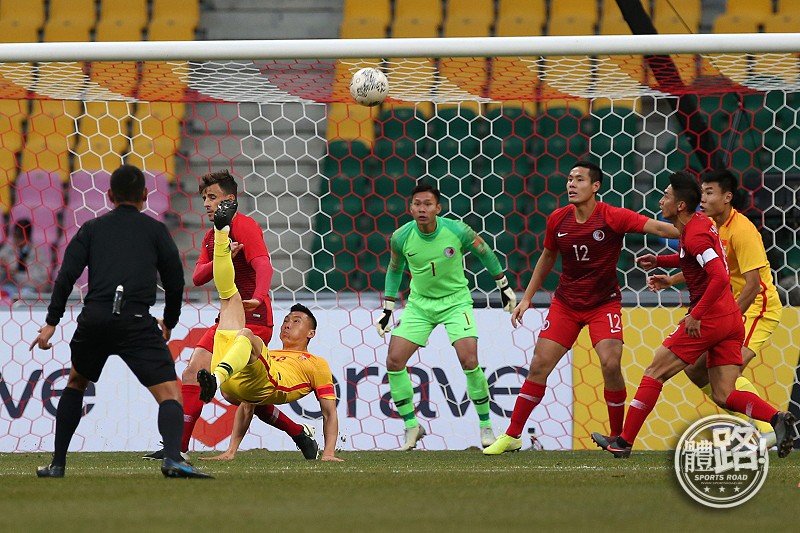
[{"x": 435, "y": 260}]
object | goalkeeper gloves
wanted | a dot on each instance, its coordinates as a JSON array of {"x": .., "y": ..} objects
[
  {"x": 382, "y": 325},
  {"x": 507, "y": 296}
]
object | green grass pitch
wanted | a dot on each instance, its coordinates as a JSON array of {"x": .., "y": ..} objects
[{"x": 417, "y": 491}]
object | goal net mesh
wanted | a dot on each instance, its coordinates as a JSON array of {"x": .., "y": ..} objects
[{"x": 329, "y": 181}]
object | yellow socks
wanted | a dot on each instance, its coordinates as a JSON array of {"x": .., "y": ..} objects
[
  {"x": 224, "y": 275},
  {"x": 235, "y": 360}
]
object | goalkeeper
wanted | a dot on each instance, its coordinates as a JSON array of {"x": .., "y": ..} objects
[{"x": 434, "y": 247}]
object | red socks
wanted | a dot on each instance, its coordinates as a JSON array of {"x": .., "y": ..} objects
[
  {"x": 751, "y": 405},
  {"x": 530, "y": 395},
  {"x": 642, "y": 404},
  {"x": 615, "y": 401},
  {"x": 192, "y": 407},
  {"x": 274, "y": 417}
]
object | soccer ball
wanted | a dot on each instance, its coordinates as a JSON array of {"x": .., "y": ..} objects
[{"x": 369, "y": 86}]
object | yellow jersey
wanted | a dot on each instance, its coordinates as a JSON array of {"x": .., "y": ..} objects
[{"x": 745, "y": 250}]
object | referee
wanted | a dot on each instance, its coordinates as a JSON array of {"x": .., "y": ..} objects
[{"x": 124, "y": 251}]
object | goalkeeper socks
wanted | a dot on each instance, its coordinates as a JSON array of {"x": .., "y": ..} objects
[
  {"x": 275, "y": 418},
  {"x": 615, "y": 401},
  {"x": 530, "y": 395},
  {"x": 192, "y": 407},
  {"x": 235, "y": 360},
  {"x": 403, "y": 396},
  {"x": 751, "y": 405},
  {"x": 68, "y": 416},
  {"x": 478, "y": 392},
  {"x": 170, "y": 413},
  {"x": 224, "y": 275},
  {"x": 743, "y": 384},
  {"x": 640, "y": 408}
]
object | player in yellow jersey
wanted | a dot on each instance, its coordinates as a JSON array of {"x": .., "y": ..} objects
[
  {"x": 243, "y": 368},
  {"x": 751, "y": 279}
]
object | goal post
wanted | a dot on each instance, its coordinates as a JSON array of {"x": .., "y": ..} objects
[{"x": 495, "y": 123}]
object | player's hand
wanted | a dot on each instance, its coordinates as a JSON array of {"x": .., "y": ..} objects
[
  {"x": 227, "y": 455},
  {"x": 251, "y": 305},
  {"x": 647, "y": 262},
  {"x": 43, "y": 339},
  {"x": 519, "y": 310},
  {"x": 658, "y": 282},
  {"x": 235, "y": 248},
  {"x": 165, "y": 331},
  {"x": 332, "y": 458},
  {"x": 507, "y": 296},
  {"x": 382, "y": 325},
  {"x": 692, "y": 326}
]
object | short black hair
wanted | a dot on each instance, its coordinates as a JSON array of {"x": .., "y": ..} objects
[
  {"x": 427, "y": 187},
  {"x": 686, "y": 189},
  {"x": 222, "y": 178},
  {"x": 300, "y": 308},
  {"x": 595, "y": 172},
  {"x": 127, "y": 184},
  {"x": 727, "y": 181}
]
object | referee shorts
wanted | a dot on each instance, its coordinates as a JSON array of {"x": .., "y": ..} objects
[{"x": 135, "y": 337}]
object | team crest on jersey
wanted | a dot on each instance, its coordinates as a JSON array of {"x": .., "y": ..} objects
[
  {"x": 598, "y": 235},
  {"x": 449, "y": 251}
]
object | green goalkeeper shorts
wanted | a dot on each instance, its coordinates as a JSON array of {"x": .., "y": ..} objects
[{"x": 422, "y": 314}]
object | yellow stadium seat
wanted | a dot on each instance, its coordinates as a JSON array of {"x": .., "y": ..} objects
[
  {"x": 759, "y": 10},
  {"x": 363, "y": 28},
  {"x": 120, "y": 77},
  {"x": 130, "y": 12},
  {"x": 12, "y": 31},
  {"x": 417, "y": 18},
  {"x": 155, "y": 156},
  {"x": 72, "y": 13},
  {"x": 562, "y": 9},
  {"x": 8, "y": 173},
  {"x": 518, "y": 18},
  {"x": 688, "y": 10},
  {"x": 103, "y": 135},
  {"x": 115, "y": 30},
  {"x": 374, "y": 9},
  {"x": 572, "y": 24},
  {"x": 733, "y": 23},
  {"x": 12, "y": 115},
  {"x": 788, "y": 7},
  {"x": 782, "y": 23},
  {"x": 186, "y": 12},
  {"x": 351, "y": 122},
  {"x": 25, "y": 13},
  {"x": 162, "y": 80},
  {"x": 171, "y": 30},
  {"x": 469, "y": 18},
  {"x": 783, "y": 66},
  {"x": 57, "y": 31}
]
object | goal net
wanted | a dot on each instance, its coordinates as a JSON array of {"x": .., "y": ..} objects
[{"x": 495, "y": 124}]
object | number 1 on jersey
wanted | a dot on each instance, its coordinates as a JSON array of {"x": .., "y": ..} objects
[{"x": 433, "y": 269}]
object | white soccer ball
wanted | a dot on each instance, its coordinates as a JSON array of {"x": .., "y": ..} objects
[{"x": 369, "y": 86}]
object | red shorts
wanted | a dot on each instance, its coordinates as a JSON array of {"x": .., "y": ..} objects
[
  {"x": 260, "y": 331},
  {"x": 563, "y": 324},
  {"x": 721, "y": 337}
]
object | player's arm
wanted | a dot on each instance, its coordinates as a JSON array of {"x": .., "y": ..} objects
[
  {"x": 204, "y": 268},
  {"x": 661, "y": 229},
  {"x": 394, "y": 275},
  {"x": 330, "y": 428},
  {"x": 264, "y": 271},
  {"x": 752, "y": 286},
  {"x": 475, "y": 244},
  {"x": 540, "y": 272},
  {"x": 658, "y": 282},
  {"x": 241, "y": 423}
]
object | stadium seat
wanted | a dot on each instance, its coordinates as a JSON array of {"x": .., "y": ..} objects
[
  {"x": 351, "y": 122},
  {"x": 23, "y": 13},
  {"x": 51, "y": 131},
  {"x": 468, "y": 18},
  {"x": 131, "y": 13},
  {"x": 168, "y": 29},
  {"x": 8, "y": 173},
  {"x": 688, "y": 10},
  {"x": 70, "y": 20},
  {"x": 756, "y": 9},
  {"x": 102, "y": 135},
  {"x": 183, "y": 13},
  {"x": 516, "y": 79},
  {"x": 417, "y": 18},
  {"x": 156, "y": 136},
  {"x": 39, "y": 197},
  {"x": 115, "y": 30}
]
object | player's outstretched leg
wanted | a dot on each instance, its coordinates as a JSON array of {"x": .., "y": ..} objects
[
  {"x": 208, "y": 385},
  {"x": 306, "y": 442},
  {"x": 610, "y": 445},
  {"x": 784, "y": 423},
  {"x": 504, "y": 443}
]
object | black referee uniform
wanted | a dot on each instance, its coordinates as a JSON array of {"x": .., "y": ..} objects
[
  {"x": 122, "y": 248},
  {"x": 125, "y": 251}
]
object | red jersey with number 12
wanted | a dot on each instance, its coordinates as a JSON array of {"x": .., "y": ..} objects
[
  {"x": 700, "y": 244},
  {"x": 590, "y": 252}
]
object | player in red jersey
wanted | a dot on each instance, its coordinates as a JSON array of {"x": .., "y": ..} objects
[
  {"x": 588, "y": 234},
  {"x": 253, "y": 269},
  {"x": 713, "y": 324}
]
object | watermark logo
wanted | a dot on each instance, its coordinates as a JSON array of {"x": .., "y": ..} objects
[{"x": 721, "y": 461}]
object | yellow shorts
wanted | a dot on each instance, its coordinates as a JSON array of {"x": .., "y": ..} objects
[
  {"x": 252, "y": 384},
  {"x": 758, "y": 327}
]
